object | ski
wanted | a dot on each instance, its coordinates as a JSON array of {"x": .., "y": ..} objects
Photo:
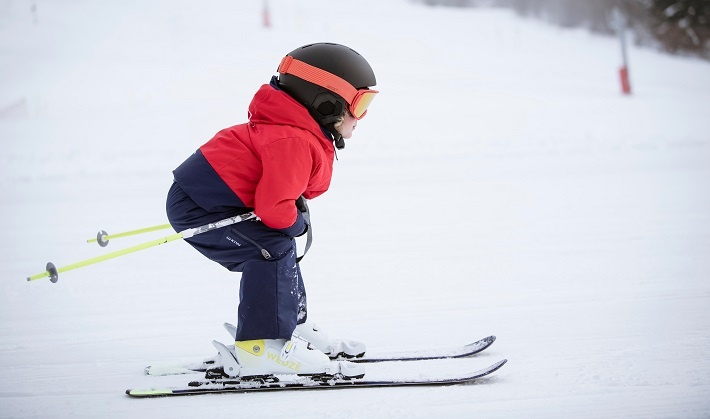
[
  {"x": 423, "y": 355},
  {"x": 273, "y": 383},
  {"x": 388, "y": 356}
]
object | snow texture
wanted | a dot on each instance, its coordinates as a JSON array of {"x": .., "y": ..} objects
[{"x": 500, "y": 184}]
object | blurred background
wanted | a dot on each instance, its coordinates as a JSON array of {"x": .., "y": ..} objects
[
  {"x": 676, "y": 26},
  {"x": 537, "y": 170}
]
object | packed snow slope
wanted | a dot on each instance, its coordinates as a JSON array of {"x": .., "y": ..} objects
[{"x": 500, "y": 184}]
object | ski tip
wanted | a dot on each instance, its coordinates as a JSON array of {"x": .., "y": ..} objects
[
  {"x": 149, "y": 392},
  {"x": 498, "y": 365},
  {"x": 158, "y": 370},
  {"x": 478, "y": 346},
  {"x": 488, "y": 340}
]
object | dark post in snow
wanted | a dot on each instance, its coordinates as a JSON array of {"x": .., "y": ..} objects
[
  {"x": 620, "y": 23},
  {"x": 265, "y": 15},
  {"x": 33, "y": 9}
]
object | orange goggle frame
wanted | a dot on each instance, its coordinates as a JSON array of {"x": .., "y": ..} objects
[{"x": 358, "y": 100}]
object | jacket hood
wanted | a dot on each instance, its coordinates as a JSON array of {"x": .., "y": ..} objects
[{"x": 274, "y": 106}]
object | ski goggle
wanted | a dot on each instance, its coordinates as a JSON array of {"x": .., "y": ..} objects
[{"x": 358, "y": 100}]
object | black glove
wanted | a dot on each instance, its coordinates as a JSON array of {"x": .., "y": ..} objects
[{"x": 302, "y": 206}]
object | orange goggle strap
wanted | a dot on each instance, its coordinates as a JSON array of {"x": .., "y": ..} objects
[{"x": 315, "y": 75}]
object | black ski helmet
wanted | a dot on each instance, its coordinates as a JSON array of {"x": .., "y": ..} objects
[{"x": 324, "y": 105}]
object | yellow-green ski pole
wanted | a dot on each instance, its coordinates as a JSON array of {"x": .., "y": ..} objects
[
  {"x": 103, "y": 237},
  {"x": 52, "y": 272}
]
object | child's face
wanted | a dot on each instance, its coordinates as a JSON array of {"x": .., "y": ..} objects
[{"x": 348, "y": 126}]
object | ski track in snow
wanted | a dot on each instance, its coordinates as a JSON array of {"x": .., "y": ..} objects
[{"x": 501, "y": 184}]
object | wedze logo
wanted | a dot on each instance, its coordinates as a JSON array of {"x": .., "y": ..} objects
[
  {"x": 234, "y": 241},
  {"x": 296, "y": 366}
]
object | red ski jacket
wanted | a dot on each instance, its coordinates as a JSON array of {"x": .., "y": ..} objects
[{"x": 264, "y": 164}]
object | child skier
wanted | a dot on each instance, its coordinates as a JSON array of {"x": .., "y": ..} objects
[{"x": 270, "y": 165}]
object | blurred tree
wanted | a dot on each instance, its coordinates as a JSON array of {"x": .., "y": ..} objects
[
  {"x": 675, "y": 25},
  {"x": 682, "y": 25}
]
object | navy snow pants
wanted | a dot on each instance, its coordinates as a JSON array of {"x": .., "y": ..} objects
[{"x": 272, "y": 298}]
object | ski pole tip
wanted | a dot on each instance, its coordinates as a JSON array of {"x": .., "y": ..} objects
[{"x": 51, "y": 271}]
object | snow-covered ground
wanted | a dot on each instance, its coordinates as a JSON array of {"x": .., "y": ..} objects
[{"x": 501, "y": 184}]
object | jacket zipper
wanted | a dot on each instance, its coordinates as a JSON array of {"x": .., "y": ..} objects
[{"x": 265, "y": 253}]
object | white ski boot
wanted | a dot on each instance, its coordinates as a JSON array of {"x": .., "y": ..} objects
[
  {"x": 266, "y": 357},
  {"x": 334, "y": 348}
]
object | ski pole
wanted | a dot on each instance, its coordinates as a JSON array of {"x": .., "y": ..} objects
[
  {"x": 53, "y": 272},
  {"x": 103, "y": 237}
]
